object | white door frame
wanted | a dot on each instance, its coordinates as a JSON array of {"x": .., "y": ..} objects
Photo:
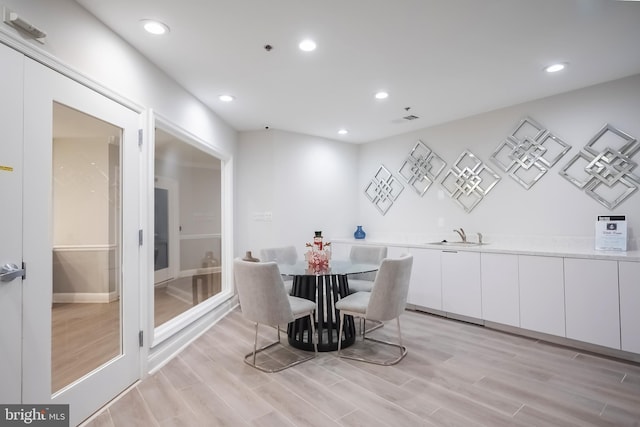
[{"x": 171, "y": 272}]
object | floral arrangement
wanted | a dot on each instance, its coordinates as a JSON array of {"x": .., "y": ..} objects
[{"x": 318, "y": 261}]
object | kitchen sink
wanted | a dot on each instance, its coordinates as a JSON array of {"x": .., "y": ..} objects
[{"x": 445, "y": 243}]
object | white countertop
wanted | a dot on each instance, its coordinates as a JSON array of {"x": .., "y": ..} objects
[{"x": 566, "y": 248}]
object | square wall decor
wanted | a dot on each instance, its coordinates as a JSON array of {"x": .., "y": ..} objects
[
  {"x": 603, "y": 169},
  {"x": 528, "y": 153},
  {"x": 383, "y": 189},
  {"x": 421, "y": 168},
  {"x": 469, "y": 180}
]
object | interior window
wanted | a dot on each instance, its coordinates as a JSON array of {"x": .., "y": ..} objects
[{"x": 188, "y": 227}]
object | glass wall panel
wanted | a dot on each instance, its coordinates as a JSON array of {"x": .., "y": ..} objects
[{"x": 187, "y": 246}]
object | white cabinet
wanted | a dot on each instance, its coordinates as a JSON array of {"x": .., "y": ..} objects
[
  {"x": 592, "y": 301},
  {"x": 461, "y": 291},
  {"x": 629, "y": 277},
  {"x": 426, "y": 283},
  {"x": 500, "y": 293},
  {"x": 541, "y": 294}
]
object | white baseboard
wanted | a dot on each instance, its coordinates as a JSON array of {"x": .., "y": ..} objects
[
  {"x": 85, "y": 297},
  {"x": 181, "y": 294}
]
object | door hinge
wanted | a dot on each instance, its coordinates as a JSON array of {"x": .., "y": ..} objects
[
  {"x": 141, "y": 338},
  {"x": 140, "y": 135},
  {"x": 140, "y": 237}
]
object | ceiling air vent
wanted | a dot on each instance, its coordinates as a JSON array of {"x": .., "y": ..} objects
[{"x": 410, "y": 117}]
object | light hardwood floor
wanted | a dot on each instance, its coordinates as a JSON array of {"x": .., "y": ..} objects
[
  {"x": 455, "y": 374},
  {"x": 83, "y": 337}
]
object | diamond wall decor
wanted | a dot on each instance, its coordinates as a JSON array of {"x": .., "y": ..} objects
[
  {"x": 469, "y": 180},
  {"x": 421, "y": 168},
  {"x": 383, "y": 189},
  {"x": 603, "y": 169},
  {"x": 528, "y": 153}
]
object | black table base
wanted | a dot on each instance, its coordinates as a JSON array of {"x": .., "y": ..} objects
[{"x": 325, "y": 290}]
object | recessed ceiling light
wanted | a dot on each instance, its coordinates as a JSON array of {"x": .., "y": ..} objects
[
  {"x": 307, "y": 45},
  {"x": 382, "y": 95},
  {"x": 155, "y": 27},
  {"x": 343, "y": 132},
  {"x": 554, "y": 68},
  {"x": 226, "y": 98}
]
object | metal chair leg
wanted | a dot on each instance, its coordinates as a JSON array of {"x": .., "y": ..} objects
[
  {"x": 340, "y": 328},
  {"x": 399, "y": 345},
  {"x": 257, "y": 350}
]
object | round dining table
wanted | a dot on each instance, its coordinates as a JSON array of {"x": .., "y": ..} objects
[{"x": 325, "y": 287}]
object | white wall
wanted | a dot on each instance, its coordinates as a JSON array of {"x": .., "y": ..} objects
[
  {"x": 86, "y": 46},
  {"x": 551, "y": 208},
  {"x": 306, "y": 184},
  {"x": 81, "y": 202}
]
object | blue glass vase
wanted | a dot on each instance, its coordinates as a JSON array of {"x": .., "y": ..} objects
[{"x": 359, "y": 233}]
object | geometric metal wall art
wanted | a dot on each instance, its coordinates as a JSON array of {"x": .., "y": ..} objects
[
  {"x": 469, "y": 180},
  {"x": 603, "y": 168},
  {"x": 421, "y": 168},
  {"x": 383, "y": 189},
  {"x": 529, "y": 152}
]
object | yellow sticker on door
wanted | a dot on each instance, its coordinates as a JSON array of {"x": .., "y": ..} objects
[{"x": 6, "y": 168}]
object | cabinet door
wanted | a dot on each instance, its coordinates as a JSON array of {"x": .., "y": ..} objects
[
  {"x": 629, "y": 277},
  {"x": 426, "y": 282},
  {"x": 592, "y": 302},
  {"x": 500, "y": 294},
  {"x": 461, "y": 292},
  {"x": 541, "y": 294}
]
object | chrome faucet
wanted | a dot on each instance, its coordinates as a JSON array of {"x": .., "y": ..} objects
[
  {"x": 462, "y": 235},
  {"x": 479, "y": 238}
]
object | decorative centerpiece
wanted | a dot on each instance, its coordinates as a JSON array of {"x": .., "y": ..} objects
[{"x": 318, "y": 255}]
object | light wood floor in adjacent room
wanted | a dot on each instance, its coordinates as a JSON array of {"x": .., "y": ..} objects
[{"x": 455, "y": 374}]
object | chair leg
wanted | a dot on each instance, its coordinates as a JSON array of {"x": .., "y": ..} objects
[
  {"x": 399, "y": 345},
  {"x": 377, "y": 325},
  {"x": 340, "y": 328},
  {"x": 257, "y": 350},
  {"x": 314, "y": 338},
  {"x": 255, "y": 344},
  {"x": 400, "y": 339}
]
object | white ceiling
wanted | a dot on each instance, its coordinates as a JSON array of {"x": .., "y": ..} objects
[{"x": 445, "y": 59}]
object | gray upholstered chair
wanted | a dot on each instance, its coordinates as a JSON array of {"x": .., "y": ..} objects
[
  {"x": 363, "y": 282},
  {"x": 263, "y": 299},
  {"x": 386, "y": 301},
  {"x": 281, "y": 255}
]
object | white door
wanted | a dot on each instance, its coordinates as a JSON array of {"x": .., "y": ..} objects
[
  {"x": 166, "y": 230},
  {"x": 11, "y": 85},
  {"x": 80, "y": 221}
]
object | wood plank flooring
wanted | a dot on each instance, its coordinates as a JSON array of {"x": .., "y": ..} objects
[
  {"x": 86, "y": 335},
  {"x": 83, "y": 337},
  {"x": 456, "y": 374}
]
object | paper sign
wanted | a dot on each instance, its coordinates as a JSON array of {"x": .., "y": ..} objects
[{"x": 611, "y": 233}]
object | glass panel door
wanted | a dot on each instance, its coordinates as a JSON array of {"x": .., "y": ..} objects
[{"x": 80, "y": 243}]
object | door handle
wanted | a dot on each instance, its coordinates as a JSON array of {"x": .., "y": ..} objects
[{"x": 8, "y": 272}]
